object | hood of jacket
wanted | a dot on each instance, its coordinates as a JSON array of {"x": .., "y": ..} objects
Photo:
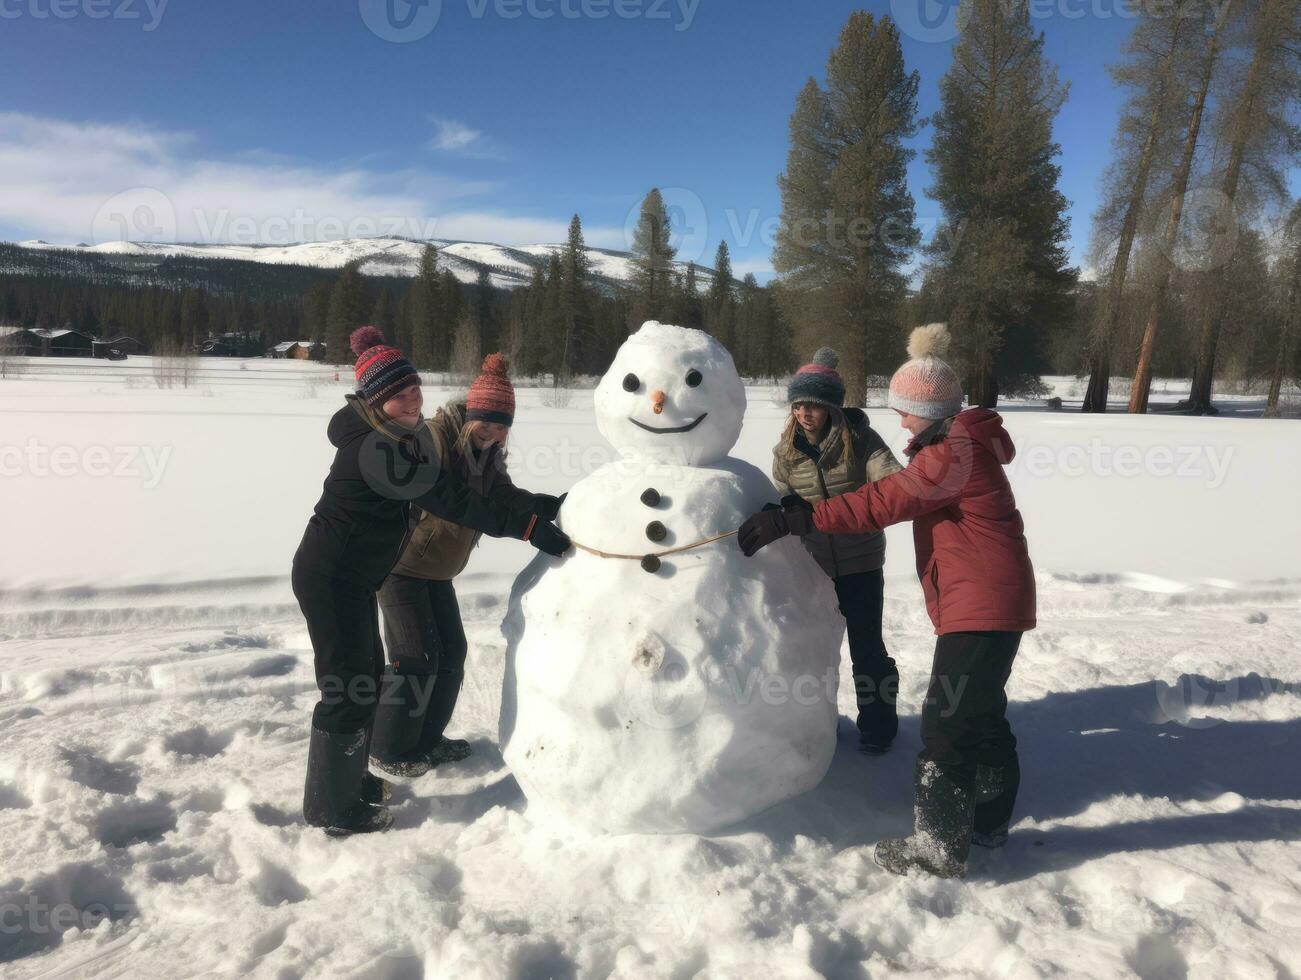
[
  {"x": 356, "y": 418},
  {"x": 985, "y": 427},
  {"x": 981, "y": 425}
]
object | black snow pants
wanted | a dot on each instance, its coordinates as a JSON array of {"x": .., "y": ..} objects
[
  {"x": 876, "y": 678},
  {"x": 343, "y": 623},
  {"x": 967, "y": 773},
  {"x": 426, "y": 651}
]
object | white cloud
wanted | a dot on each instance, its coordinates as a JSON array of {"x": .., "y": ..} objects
[
  {"x": 56, "y": 178},
  {"x": 452, "y": 136}
]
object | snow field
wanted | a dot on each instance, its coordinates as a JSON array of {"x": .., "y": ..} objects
[{"x": 155, "y": 685}]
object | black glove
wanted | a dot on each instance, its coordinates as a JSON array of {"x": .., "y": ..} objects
[
  {"x": 546, "y": 506},
  {"x": 795, "y": 516},
  {"x": 549, "y": 538}
]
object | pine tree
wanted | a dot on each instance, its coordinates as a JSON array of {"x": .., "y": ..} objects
[
  {"x": 574, "y": 300},
  {"x": 531, "y": 340},
  {"x": 467, "y": 349},
  {"x": 317, "y": 311},
  {"x": 653, "y": 259},
  {"x": 690, "y": 310},
  {"x": 383, "y": 317},
  {"x": 720, "y": 305},
  {"x": 350, "y": 307},
  {"x": 848, "y": 225},
  {"x": 485, "y": 318},
  {"x": 1000, "y": 259},
  {"x": 551, "y": 324},
  {"x": 427, "y": 312}
]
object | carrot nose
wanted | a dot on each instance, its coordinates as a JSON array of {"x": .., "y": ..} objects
[{"x": 657, "y": 402}]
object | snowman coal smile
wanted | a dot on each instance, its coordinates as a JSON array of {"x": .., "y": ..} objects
[{"x": 669, "y": 431}]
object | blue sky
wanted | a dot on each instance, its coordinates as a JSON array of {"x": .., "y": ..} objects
[{"x": 492, "y": 120}]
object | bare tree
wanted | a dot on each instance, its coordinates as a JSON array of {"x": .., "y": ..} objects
[
  {"x": 1254, "y": 121},
  {"x": 1290, "y": 315},
  {"x": 1208, "y": 65},
  {"x": 1147, "y": 133}
]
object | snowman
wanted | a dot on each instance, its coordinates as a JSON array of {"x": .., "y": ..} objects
[{"x": 657, "y": 681}]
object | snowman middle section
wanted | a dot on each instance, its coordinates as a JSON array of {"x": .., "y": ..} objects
[{"x": 679, "y": 694}]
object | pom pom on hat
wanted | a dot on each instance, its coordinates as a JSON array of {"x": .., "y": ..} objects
[
  {"x": 364, "y": 338},
  {"x": 827, "y": 357},
  {"x": 496, "y": 364},
  {"x": 931, "y": 340},
  {"x": 819, "y": 381}
]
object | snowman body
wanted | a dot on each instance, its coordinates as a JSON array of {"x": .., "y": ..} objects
[{"x": 690, "y": 691}]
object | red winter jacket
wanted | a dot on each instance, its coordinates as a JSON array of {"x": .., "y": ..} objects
[{"x": 971, "y": 551}]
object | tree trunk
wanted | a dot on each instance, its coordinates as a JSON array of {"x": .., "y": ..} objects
[
  {"x": 1095, "y": 398},
  {"x": 1290, "y": 316},
  {"x": 1138, "y": 397},
  {"x": 1199, "y": 399}
]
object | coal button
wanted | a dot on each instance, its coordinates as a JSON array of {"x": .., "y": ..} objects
[
  {"x": 651, "y": 498},
  {"x": 650, "y": 563},
  {"x": 656, "y": 531}
]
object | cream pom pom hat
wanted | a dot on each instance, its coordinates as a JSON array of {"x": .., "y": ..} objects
[{"x": 926, "y": 386}]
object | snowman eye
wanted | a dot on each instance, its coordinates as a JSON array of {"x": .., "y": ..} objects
[
  {"x": 631, "y": 382},
  {"x": 694, "y": 378}
]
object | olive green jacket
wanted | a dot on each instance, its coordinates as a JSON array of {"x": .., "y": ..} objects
[
  {"x": 436, "y": 548},
  {"x": 822, "y": 470}
]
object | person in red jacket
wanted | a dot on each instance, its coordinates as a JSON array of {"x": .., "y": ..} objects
[{"x": 976, "y": 575}]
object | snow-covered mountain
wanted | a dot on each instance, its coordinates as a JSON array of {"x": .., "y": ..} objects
[{"x": 509, "y": 266}]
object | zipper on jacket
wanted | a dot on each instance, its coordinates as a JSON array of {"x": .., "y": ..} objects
[
  {"x": 935, "y": 584},
  {"x": 831, "y": 538}
]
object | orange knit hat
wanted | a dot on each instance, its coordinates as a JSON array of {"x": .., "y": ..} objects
[{"x": 491, "y": 398}]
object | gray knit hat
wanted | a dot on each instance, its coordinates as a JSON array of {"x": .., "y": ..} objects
[{"x": 818, "y": 382}]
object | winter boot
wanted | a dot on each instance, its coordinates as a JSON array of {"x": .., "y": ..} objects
[
  {"x": 874, "y": 745},
  {"x": 336, "y": 766},
  {"x": 996, "y": 788},
  {"x": 399, "y": 722},
  {"x": 448, "y": 750},
  {"x": 375, "y": 790},
  {"x": 942, "y": 836}
]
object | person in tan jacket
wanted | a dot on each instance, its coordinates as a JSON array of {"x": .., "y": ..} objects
[
  {"x": 827, "y": 450},
  {"x": 423, "y": 635}
]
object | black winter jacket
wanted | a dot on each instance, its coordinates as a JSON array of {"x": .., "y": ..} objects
[{"x": 358, "y": 530}]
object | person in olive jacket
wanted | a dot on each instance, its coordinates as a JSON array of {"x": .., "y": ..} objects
[
  {"x": 827, "y": 450},
  {"x": 355, "y": 536},
  {"x": 422, "y": 621}
]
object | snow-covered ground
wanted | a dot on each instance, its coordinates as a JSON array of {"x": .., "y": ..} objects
[{"x": 155, "y": 684}]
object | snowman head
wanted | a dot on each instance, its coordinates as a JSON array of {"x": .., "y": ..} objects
[{"x": 671, "y": 395}]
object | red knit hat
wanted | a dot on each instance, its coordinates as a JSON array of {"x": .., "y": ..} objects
[
  {"x": 491, "y": 398},
  {"x": 381, "y": 370}
]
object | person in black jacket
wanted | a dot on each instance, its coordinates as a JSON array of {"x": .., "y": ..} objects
[{"x": 353, "y": 539}]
